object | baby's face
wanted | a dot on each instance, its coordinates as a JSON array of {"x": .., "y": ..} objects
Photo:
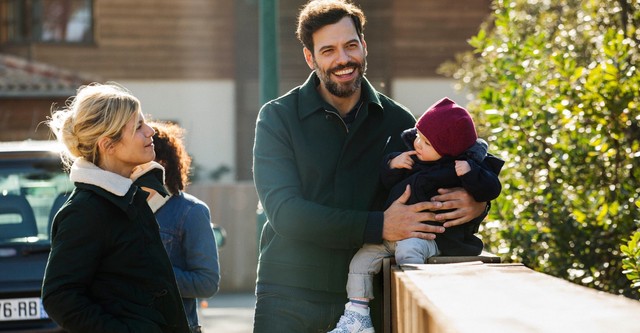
[{"x": 424, "y": 150}]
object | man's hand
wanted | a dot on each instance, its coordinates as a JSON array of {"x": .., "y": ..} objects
[
  {"x": 405, "y": 221},
  {"x": 465, "y": 208}
]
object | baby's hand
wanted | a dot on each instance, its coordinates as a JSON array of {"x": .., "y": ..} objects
[
  {"x": 462, "y": 167},
  {"x": 402, "y": 161}
]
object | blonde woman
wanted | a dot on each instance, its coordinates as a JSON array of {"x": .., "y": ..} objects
[{"x": 108, "y": 270}]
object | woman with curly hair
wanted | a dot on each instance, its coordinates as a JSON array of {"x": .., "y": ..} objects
[{"x": 185, "y": 223}]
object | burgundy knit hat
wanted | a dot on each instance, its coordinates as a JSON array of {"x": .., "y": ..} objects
[{"x": 448, "y": 127}]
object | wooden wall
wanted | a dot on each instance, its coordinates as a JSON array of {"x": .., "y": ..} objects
[
  {"x": 23, "y": 118},
  {"x": 501, "y": 298},
  {"x": 150, "y": 39},
  {"x": 218, "y": 39},
  {"x": 199, "y": 39},
  {"x": 428, "y": 33},
  {"x": 233, "y": 207},
  {"x": 405, "y": 38}
]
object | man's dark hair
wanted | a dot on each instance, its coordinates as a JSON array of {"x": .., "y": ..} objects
[{"x": 319, "y": 13}]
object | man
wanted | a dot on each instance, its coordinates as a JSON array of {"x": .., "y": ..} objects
[{"x": 316, "y": 159}]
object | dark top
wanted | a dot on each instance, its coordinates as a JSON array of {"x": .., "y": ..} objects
[
  {"x": 425, "y": 178},
  {"x": 319, "y": 185},
  {"x": 108, "y": 270}
]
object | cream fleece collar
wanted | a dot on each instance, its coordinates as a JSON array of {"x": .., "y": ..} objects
[
  {"x": 83, "y": 171},
  {"x": 156, "y": 201}
]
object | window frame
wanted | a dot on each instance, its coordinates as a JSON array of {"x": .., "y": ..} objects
[{"x": 23, "y": 21}]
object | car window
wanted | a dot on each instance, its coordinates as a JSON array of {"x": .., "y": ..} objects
[{"x": 34, "y": 184}]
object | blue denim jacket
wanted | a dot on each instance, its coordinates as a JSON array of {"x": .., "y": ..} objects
[{"x": 185, "y": 228}]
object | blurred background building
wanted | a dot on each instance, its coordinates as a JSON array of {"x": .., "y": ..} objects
[{"x": 197, "y": 62}]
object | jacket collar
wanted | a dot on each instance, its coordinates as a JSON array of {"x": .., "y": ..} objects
[
  {"x": 83, "y": 171},
  {"x": 310, "y": 101},
  {"x": 118, "y": 189}
]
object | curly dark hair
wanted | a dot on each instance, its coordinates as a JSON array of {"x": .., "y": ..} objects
[{"x": 172, "y": 154}]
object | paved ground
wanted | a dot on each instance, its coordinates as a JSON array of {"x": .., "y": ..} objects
[{"x": 228, "y": 313}]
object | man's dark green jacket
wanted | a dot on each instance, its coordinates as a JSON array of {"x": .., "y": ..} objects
[
  {"x": 108, "y": 270},
  {"x": 317, "y": 179}
]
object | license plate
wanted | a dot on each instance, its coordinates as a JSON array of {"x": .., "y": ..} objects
[{"x": 22, "y": 309}]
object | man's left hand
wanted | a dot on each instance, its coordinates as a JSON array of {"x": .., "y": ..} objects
[{"x": 465, "y": 208}]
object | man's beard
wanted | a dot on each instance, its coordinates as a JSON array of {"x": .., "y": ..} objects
[{"x": 341, "y": 89}]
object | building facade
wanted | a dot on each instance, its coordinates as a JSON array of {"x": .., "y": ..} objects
[{"x": 196, "y": 62}]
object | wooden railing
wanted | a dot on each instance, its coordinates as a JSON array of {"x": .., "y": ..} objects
[{"x": 484, "y": 297}]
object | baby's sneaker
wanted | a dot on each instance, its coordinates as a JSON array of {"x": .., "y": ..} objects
[{"x": 354, "y": 320}]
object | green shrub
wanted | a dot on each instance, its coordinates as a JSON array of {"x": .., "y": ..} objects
[
  {"x": 631, "y": 261},
  {"x": 556, "y": 88}
]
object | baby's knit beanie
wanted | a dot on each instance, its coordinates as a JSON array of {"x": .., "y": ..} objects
[{"x": 448, "y": 127}]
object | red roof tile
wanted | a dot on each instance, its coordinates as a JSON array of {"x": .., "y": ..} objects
[{"x": 20, "y": 77}]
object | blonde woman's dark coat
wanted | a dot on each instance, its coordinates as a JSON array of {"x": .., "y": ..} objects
[{"x": 108, "y": 270}]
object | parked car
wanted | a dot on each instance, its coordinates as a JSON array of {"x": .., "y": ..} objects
[{"x": 33, "y": 186}]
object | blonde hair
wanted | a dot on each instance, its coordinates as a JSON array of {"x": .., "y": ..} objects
[{"x": 97, "y": 111}]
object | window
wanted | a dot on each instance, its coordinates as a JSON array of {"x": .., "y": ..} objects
[{"x": 47, "y": 21}]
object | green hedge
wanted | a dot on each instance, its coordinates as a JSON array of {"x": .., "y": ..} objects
[{"x": 556, "y": 88}]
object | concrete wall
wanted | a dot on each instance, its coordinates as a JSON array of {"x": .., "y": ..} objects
[
  {"x": 419, "y": 94},
  {"x": 205, "y": 109}
]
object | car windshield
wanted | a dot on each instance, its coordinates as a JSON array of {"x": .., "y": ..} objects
[{"x": 31, "y": 192}]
